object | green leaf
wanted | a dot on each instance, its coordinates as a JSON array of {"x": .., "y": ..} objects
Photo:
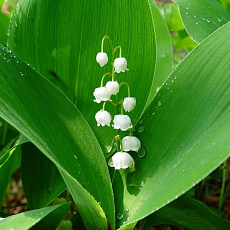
[
  {"x": 44, "y": 218},
  {"x": 41, "y": 180},
  {"x": 57, "y": 128},
  {"x": 4, "y": 22},
  {"x": 7, "y": 151},
  {"x": 8, "y": 168},
  {"x": 1, "y": 2},
  {"x": 202, "y": 17},
  {"x": 64, "y": 48},
  {"x": 172, "y": 17},
  {"x": 164, "y": 51},
  {"x": 188, "y": 213},
  {"x": 185, "y": 130}
]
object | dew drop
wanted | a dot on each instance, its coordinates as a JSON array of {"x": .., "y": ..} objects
[
  {"x": 141, "y": 122},
  {"x": 197, "y": 23},
  {"x": 120, "y": 216},
  {"x": 186, "y": 13},
  {"x": 75, "y": 156},
  {"x": 208, "y": 20},
  {"x": 110, "y": 162},
  {"x": 219, "y": 20},
  {"x": 141, "y": 152},
  {"x": 126, "y": 209},
  {"x": 153, "y": 113},
  {"x": 141, "y": 129},
  {"x": 194, "y": 16},
  {"x": 159, "y": 103}
]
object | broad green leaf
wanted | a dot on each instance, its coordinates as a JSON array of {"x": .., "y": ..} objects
[
  {"x": 1, "y": 2},
  {"x": 188, "y": 213},
  {"x": 44, "y": 218},
  {"x": 8, "y": 168},
  {"x": 7, "y": 151},
  {"x": 4, "y": 22},
  {"x": 60, "y": 39},
  {"x": 41, "y": 180},
  {"x": 164, "y": 51},
  {"x": 58, "y": 129},
  {"x": 172, "y": 17},
  {"x": 202, "y": 17},
  {"x": 185, "y": 130}
]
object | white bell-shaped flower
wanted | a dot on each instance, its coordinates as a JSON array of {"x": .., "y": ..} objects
[
  {"x": 121, "y": 160},
  {"x": 130, "y": 143},
  {"x": 102, "y": 58},
  {"x": 120, "y": 65},
  {"x": 129, "y": 103},
  {"x": 112, "y": 87},
  {"x": 101, "y": 94},
  {"x": 103, "y": 118},
  {"x": 122, "y": 122}
]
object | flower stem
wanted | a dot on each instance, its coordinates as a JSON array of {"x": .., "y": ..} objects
[
  {"x": 122, "y": 108},
  {"x": 103, "y": 108},
  {"x": 102, "y": 79},
  {"x": 4, "y": 134},
  {"x": 222, "y": 195},
  {"x": 118, "y": 47},
  {"x": 124, "y": 83}
]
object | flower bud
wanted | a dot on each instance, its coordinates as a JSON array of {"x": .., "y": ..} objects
[
  {"x": 131, "y": 143},
  {"x": 120, "y": 65},
  {"x": 102, "y": 58},
  {"x": 103, "y": 118},
  {"x": 101, "y": 94},
  {"x": 121, "y": 160},
  {"x": 122, "y": 122},
  {"x": 112, "y": 87},
  {"x": 129, "y": 103},
  {"x": 65, "y": 225}
]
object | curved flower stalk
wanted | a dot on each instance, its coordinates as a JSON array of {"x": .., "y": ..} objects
[{"x": 106, "y": 93}]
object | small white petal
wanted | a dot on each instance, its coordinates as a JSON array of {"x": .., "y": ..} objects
[
  {"x": 112, "y": 87},
  {"x": 131, "y": 143},
  {"x": 129, "y": 103},
  {"x": 102, "y": 58},
  {"x": 103, "y": 118},
  {"x": 121, "y": 160},
  {"x": 120, "y": 65},
  {"x": 122, "y": 122},
  {"x": 101, "y": 94}
]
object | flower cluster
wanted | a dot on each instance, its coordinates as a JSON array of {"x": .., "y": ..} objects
[{"x": 121, "y": 121}]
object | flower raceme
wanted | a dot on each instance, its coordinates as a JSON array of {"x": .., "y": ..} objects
[{"x": 121, "y": 159}]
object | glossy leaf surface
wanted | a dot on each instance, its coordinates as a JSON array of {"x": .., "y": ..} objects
[
  {"x": 185, "y": 130},
  {"x": 188, "y": 213},
  {"x": 58, "y": 129},
  {"x": 41, "y": 180},
  {"x": 60, "y": 39},
  {"x": 44, "y": 218},
  {"x": 202, "y": 17},
  {"x": 164, "y": 50}
]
